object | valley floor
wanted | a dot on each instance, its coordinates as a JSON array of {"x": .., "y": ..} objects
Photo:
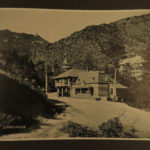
[{"x": 90, "y": 113}]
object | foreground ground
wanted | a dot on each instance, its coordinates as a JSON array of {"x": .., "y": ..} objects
[{"x": 91, "y": 113}]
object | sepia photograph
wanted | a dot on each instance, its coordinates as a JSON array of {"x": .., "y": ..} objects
[{"x": 68, "y": 74}]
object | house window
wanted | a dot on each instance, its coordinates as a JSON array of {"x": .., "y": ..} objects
[
  {"x": 66, "y": 81},
  {"x": 71, "y": 79},
  {"x": 77, "y": 91},
  {"x": 57, "y": 81},
  {"x": 74, "y": 80},
  {"x": 103, "y": 90},
  {"x": 84, "y": 90}
]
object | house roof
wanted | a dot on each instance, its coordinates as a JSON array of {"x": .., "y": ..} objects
[
  {"x": 93, "y": 76},
  {"x": 96, "y": 77},
  {"x": 85, "y": 76},
  {"x": 70, "y": 73},
  {"x": 120, "y": 86}
]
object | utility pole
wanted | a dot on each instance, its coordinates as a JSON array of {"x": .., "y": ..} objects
[
  {"x": 46, "y": 80},
  {"x": 46, "y": 76},
  {"x": 115, "y": 72}
]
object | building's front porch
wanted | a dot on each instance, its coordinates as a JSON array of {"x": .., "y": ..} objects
[
  {"x": 82, "y": 92},
  {"x": 63, "y": 91}
]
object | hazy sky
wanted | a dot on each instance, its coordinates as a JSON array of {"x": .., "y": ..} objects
[{"x": 53, "y": 25}]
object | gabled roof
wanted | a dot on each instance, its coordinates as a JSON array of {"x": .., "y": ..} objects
[
  {"x": 97, "y": 77},
  {"x": 93, "y": 76},
  {"x": 120, "y": 86},
  {"x": 70, "y": 73},
  {"x": 85, "y": 76}
]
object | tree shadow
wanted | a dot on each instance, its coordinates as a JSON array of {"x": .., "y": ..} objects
[
  {"x": 54, "y": 108},
  {"x": 23, "y": 105},
  {"x": 32, "y": 123}
]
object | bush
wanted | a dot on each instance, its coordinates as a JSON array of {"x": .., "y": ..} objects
[
  {"x": 78, "y": 130},
  {"x": 111, "y": 128},
  {"x": 114, "y": 128}
]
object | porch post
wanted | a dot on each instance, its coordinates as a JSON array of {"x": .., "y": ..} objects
[
  {"x": 62, "y": 91},
  {"x": 57, "y": 91}
]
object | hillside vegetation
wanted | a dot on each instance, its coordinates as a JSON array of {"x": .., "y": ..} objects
[
  {"x": 102, "y": 42},
  {"x": 17, "y": 54}
]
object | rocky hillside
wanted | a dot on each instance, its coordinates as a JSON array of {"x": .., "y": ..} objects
[{"x": 102, "y": 42}]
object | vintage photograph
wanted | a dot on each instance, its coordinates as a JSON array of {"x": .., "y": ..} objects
[{"x": 74, "y": 74}]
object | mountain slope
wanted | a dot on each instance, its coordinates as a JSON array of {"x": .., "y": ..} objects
[
  {"x": 95, "y": 46},
  {"x": 132, "y": 33}
]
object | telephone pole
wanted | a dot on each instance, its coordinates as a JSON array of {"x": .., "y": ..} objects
[
  {"x": 46, "y": 80},
  {"x": 115, "y": 72}
]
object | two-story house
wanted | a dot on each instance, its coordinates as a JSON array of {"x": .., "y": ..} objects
[{"x": 88, "y": 84}]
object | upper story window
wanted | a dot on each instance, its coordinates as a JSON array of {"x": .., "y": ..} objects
[
  {"x": 57, "y": 81},
  {"x": 72, "y": 80},
  {"x": 66, "y": 81}
]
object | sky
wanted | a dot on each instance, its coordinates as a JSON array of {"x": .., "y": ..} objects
[{"x": 54, "y": 25}]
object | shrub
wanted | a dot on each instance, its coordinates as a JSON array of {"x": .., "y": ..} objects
[
  {"x": 111, "y": 128},
  {"x": 78, "y": 130},
  {"x": 114, "y": 128}
]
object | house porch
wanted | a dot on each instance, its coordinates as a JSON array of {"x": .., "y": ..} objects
[{"x": 63, "y": 91}]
